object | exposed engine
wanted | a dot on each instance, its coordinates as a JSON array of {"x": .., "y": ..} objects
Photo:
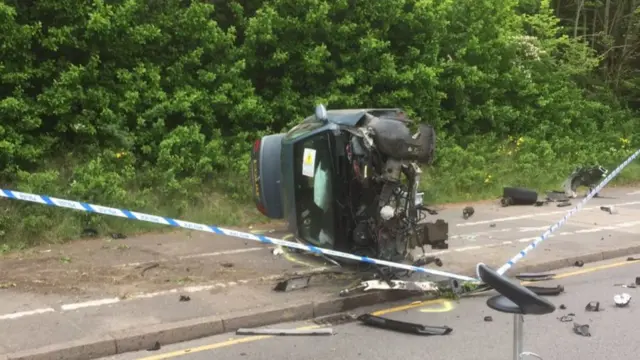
[{"x": 384, "y": 160}]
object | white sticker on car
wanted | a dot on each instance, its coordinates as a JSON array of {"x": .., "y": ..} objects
[{"x": 309, "y": 162}]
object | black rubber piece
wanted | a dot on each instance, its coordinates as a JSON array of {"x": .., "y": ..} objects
[
  {"x": 402, "y": 326},
  {"x": 520, "y": 196}
]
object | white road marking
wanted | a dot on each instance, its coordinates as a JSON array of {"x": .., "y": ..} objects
[
  {"x": 20, "y": 314},
  {"x": 192, "y": 256},
  {"x": 198, "y": 288},
  {"x": 529, "y": 216},
  {"x": 634, "y": 193}
]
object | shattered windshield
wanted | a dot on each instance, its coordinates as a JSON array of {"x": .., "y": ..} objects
[{"x": 314, "y": 190}]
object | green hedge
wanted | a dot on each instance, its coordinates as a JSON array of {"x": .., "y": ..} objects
[{"x": 153, "y": 104}]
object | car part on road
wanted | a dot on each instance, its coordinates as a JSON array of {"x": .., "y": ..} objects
[
  {"x": 622, "y": 300},
  {"x": 593, "y": 306},
  {"x": 535, "y": 276},
  {"x": 610, "y": 209},
  {"x": 402, "y": 326},
  {"x": 583, "y": 176},
  {"x": 468, "y": 212},
  {"x": 582, "y": 330},
  {"x": 518, "y": 196},
  {"x": 546, "y": 291},
  {"x": 515, "y": 299},
  {"x": 488, "y": 318},
  {"x": 417, "y": 286},
  {"x": 274, "y": 332},
  {"x": 556, "y": 195},
  {"x": 567, "y": 318},
  {"x": 293, "y": 283}
]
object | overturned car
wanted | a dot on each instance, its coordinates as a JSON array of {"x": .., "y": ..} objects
[{"x": 348, "y": 180}]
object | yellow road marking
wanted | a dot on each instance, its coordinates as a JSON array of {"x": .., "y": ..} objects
[
  {"x": 217, "y": 345},
  {"x": 413, "y": 305},
  {"x": 446, "y": 307},
  {"x": 291, "y": 257}
]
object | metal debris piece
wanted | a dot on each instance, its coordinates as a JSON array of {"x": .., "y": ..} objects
[
  {"x": 562, "y": 306},
  {"x": 564, "y": 204},
  {"x": 556, "y": 195},
  {"x": 593, "y": 306},
  {"x": 418, "y": 286},
  {"x": 278, "y": 251},
  {"x": 566, "y": 318},
  {"x": 546, "y": 290},
  {"x": 488, "y": 318},
  {"x": 426, "y": 260},
  {"x": 628, "y": 286},
  {"x": 583, "y": 176},
  {"x": 610, "y": 209},
  {"x": 184, "y": 298},
  {"x": 637, "y": 280},
  {"x": 539, "y": 203},
  {"x": 226, "y": 265},
  {"x": 156, "y": 346},
  {"x": 581, "y": 329},
  {"x": 535, "y": 276},
  {"x": 295, "y": 283},
  {"x": 402, "y": 326},
  {"x": 321, "y": 331},
  {"x": 622, "y": 300},
  {"x": 579, "y": 263},
  {"x": 468, "y": 212},
  {"x": 633, "y": 258},
  {"x": 492, "y": 225}
]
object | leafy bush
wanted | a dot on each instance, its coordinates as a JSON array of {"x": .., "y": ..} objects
[{"x": 154, "y": 105}]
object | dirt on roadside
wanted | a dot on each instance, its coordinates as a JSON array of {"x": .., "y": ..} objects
[{"x": 152, "y": 262}]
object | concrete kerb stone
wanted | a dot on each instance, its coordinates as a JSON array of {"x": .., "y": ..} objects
[{"x": 170, "y": 333}]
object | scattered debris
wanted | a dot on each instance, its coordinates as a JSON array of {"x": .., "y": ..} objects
[
  {"x": 488, "y": 318},
  {"x": 579, "y": 263},
  {"x": 535, "y": 276},
  {"x": 566, "y": 318},
  {"x": 418, "y": 286},
  {"x": 155, "y": 346},
  {"x": 593, "y": 306},
  {"x": 539, "y": 203},
  {"x": 622, "y": 300},
  {"x": 294, "y": 283},
  {"x": 321, "y": 331},
  {"x": 581, "y": 329},
  {"x": 628, "y": 286},
  {"x": 518, "y": 196},
  {"x": 492, "y": 225},
  {"x": 226, "y": 265},
  {"x": 637, "y": 280},
  {"x": 632, "y": 258},
  {"x": 7, "y": 285},
  {"x": 564, "y": 204},
  {"x": 335, "y": 319},
  {"x": 467, "y": 212},
  {"x": 184, "y": 298},
  {"x": 149, "y": 267},
  {"x": 402, "y": 326},
  {"x": 562, "y": 306},
  {"x": 118, "y": 236},
  {"x": 583, "y": 176},
  {"x": 426, "y": 260},
  {"x": 278, "y": 251},
  {"x": 558, "y": 196},
  {"x": 610, "y": 209}
]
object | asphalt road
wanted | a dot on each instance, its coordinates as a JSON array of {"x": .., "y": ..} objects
[{"x": 614, "y": 331}]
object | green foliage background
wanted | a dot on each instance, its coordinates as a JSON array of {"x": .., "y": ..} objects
[{"x": 153, "y": 105}]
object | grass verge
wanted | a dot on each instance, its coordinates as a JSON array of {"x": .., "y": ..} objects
[{"x": 477, "y": 171}]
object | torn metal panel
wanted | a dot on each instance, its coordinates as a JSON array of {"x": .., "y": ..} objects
[
  {"x": 402, "y": 326},
  {"x": 294, "y": 283},
  {"x": 583, "y": 176}
]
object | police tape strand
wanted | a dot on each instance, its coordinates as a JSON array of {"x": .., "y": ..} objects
[
  {"x": 75, "y": 205},
  {"x": 564, "y": 219}
]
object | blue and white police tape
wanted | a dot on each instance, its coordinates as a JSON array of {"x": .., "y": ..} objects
[
  {"x": 504, "y": 268},
  {"x": 51, "y": 201}
]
